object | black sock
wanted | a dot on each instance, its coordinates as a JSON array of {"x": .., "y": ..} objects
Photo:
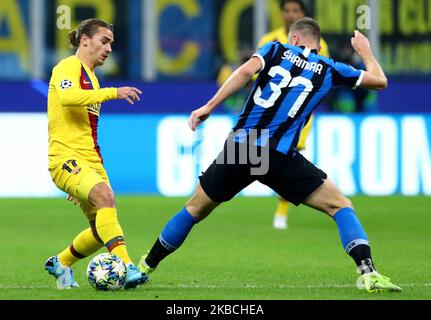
[
  {"x": 157, "y": 253},
  {"x": 362, "y": 256}
]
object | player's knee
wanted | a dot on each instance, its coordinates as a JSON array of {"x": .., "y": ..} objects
[
  {"x": 199, "y": 208},
  {"x": 200, "y": 205},
  {"x": 101, "y": 196},
  {"x": 107, "y": 199},
  {"x": 195, "y": 208}
]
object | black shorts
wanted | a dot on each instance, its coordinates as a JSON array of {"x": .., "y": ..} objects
[{"x": 292, "y": 176}]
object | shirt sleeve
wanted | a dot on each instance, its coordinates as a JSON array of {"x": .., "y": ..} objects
[
  {"x": 265, "y": 52},
  {"x": 66, "y": 80},
  {"x": 343, "y": 74}
]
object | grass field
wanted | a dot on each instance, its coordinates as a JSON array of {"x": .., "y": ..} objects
[{"x": 234, "y": 254}]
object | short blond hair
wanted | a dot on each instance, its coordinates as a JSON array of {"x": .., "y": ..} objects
[{"x": 307, "y": 27}]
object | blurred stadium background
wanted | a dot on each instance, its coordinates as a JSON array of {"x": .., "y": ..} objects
[{"x": 369, "y": 143}]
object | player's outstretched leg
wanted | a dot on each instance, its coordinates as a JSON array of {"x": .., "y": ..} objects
[
  {"x": 281, "y": 214},
  {"x": 109, "y": 230},
  {"x": 329, "y": 199},
  {"x": 355, "y": 243},
  {"x": 177, "y": 230},
  {"x": 171, "y": 238}
]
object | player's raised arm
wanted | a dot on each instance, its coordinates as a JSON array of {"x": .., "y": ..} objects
[
  {"x": 374, "y": 77},
  {"x": 75, "y": 97},
  {"x": 72, "y": 95},
  {"x": 79, "y": 97},
  {"x": 236, "y": 81}
]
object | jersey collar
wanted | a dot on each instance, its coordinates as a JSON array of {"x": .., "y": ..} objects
[{"x": 312, "y": 50}]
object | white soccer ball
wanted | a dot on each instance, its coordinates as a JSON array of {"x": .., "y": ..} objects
[{"x": 106, "y": 271}]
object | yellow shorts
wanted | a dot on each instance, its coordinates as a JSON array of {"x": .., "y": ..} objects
[{"x": 77, "y": 177}]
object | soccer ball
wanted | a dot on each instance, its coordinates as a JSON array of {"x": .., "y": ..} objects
[{"x": 106, "y": 271}]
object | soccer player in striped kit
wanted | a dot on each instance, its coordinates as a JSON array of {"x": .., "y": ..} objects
[
  {"x": 293, "y": 80},
  {"x": 291, "y": 11},
  {"x": 75, "y": 161}
]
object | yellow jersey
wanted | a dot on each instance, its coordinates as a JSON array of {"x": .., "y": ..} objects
[
  {"x": 74, "y": 102},
  {"x": 281, "y": 36}
]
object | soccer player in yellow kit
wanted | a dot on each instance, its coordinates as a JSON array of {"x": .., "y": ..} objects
[
  {"x": 75, "y": 161},
  {"x": 291, "y": 11}
]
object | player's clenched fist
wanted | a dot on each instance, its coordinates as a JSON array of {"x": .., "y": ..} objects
[
  {"x": 198, "y": 116},
  {"x": 360, "y": 43},
  {"x": 130, "y": 94}
]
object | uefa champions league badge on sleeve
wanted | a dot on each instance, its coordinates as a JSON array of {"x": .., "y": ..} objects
[{"x": 65, "y": 84}]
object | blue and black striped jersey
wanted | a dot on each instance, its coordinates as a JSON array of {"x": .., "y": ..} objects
[{"x": 291, "y": 84}]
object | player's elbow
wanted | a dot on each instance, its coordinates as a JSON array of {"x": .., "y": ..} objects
[
  {"x": 375, "y": 83},
  {"x": 381, "y": 84},
  {"x": 374, "y": 80}
]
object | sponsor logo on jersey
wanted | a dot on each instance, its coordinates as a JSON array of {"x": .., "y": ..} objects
[
  {"x": 71, "y": 167},
  {"x": 94, "y": 109}
]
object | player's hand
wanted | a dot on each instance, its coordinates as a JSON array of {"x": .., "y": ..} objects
[
  {"x": 361, "y": 44},
  {"x": 130, "y": 94},
  {"x": 73, "y": 199},
  {"x": 198, "y": 116}
]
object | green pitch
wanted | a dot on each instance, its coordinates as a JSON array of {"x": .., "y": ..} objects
[{"x": 234, "y": 254}]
